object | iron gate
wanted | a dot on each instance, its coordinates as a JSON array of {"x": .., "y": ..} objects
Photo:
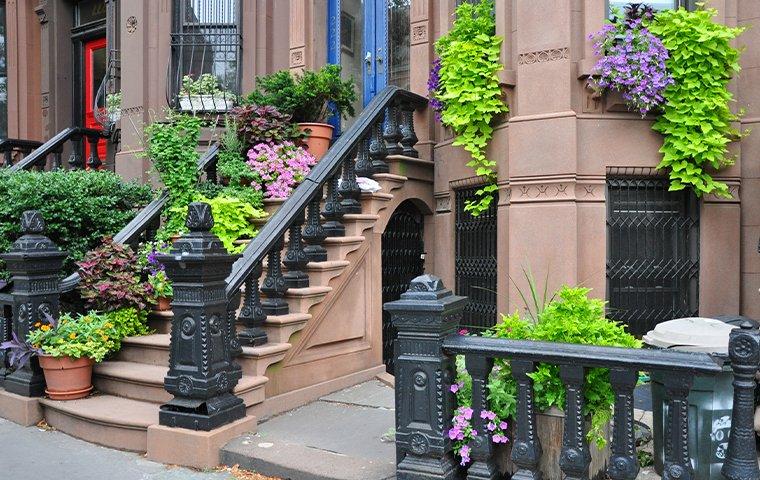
[
  {"x": 652, "y": 252},
  {"x": 475, "y": 262},
  {"x": 403, "y": 260}
]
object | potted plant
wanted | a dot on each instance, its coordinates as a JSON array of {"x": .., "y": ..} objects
[
  {"x": 311, "y": 99},
  {"x": 233, "y": 220},
  {"x": 160, "y": 285},
  {"x": 113, "y": 106},
  {"x": 204, "y": 95},
  {"x": 231, "y": 166},
  {"x": 281, "y": 167},
  {"x": 66, "y": 350},
  {"x": 264, "y": 124},
  {"x": 570, "y": 317}
]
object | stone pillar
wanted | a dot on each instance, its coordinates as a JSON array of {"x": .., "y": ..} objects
[
  {"x": 34, "y": 263},
  {"x": 425, "y": 315},
  {"x": 201, "y": 373}
]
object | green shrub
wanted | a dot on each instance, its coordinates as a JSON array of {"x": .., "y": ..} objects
[
  {"x": 127, "y": 322},
  {"x": 79, "y": 207}
]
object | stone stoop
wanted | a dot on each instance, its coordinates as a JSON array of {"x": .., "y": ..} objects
[{"x": 130, "y": 386}]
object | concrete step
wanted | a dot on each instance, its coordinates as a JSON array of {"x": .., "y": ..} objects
[
  {"x": 104, "y": 419},
  {"x": 160, "y": 321},
  {"x": 390, "y": 181},
  {"x": 357, "y": 223},
  {"x": 338, "y": 248},
  {"x": 280, "y": 328},
  {"x": 373, "y": 203},
  {"x": 154, "y": 350},
  {"x": 140, "y": 381}
]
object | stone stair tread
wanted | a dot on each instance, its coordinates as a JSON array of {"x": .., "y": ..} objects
[
  {"x": 286, "y": 319},
  {"x": 108, "y": 410},
  {"x": 162, "y": 340},
  {"x": 308, "y": 291},
  {"x": 346, "y": 239},
  {"x": 327, "y": 265},
  {"x": 154, "y": 374},
  {"x": 360, "y": 216},
  {"x": 390, "y": 176}
]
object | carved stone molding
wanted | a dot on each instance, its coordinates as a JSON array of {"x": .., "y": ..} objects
[
  {"x": 466, "y": 182},
  {"x": 443, "y": 203},
  {"x": 543, "y": 56},
  {"x": 568, "y": 188},
  {"x": 733, "y": 188},
  {"x": 297, "y": 57},
  {"x": 419, "y": 33},
  {"x": 633, "y": 171}
]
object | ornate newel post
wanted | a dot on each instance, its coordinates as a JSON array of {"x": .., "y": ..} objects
[
  {"x": 34, "y": 263},
  {"x": 425, "y": 315},
  {"x": 201, "y": 373},
  {"x": 744, "y": 349}
]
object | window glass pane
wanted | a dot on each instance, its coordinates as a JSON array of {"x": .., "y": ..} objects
[
  {"x": 89, "y": 11},
  {"x": 398, "y": 43},
  {"x": 352, "y": 49},
  {"x": 655, "y": 4}
]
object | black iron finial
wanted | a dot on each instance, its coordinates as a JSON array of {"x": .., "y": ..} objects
[
  {"x": 426, "y": 283},
  {"x": 199, "y": 217},
  {"x": 32, "y": 222}
]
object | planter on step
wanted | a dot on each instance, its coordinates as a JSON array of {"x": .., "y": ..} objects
[
  {"x": 271, "y": 205},
  {"x": 550, "y": 428},
  {"x": 163, "y": 304},
  {"x": 318, "y": 141},
  {"x": 67, "y": 378}
]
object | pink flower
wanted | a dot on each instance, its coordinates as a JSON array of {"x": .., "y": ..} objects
[{"x": 463, "y": 331}]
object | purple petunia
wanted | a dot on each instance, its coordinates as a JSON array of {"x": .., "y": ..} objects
[
  {"x": 434, "y": 83},
  {"x": 632, "y": 61},
  {"x": 281, "y": 167}
]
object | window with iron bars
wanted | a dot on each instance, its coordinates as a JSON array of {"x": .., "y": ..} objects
[{"x": 206, "y": 44}]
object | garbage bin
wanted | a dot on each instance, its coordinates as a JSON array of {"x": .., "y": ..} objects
[{"x": 711, "y": 398}]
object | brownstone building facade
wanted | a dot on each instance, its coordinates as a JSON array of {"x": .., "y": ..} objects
[{"x": 579, "y": 196}]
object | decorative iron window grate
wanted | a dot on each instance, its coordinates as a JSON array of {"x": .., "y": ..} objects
[
  {"x": 475, "y": 262},
  {"x": 205, "y": 45},
  {"x": 652, "y": 252}
]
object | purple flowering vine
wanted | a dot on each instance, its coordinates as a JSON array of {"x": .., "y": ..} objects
[
  {"x": 434, "y": 83},
  {"x": 462, "y": 433},
  {"x": 632, "y": 61}
]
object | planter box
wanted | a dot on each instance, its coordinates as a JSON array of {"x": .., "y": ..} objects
[
  {"x": 550, "y": 427},
  {"x": 205, "y": 103}
]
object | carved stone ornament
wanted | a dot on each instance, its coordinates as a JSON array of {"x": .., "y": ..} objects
[
  {"x": 32, "y": 222},
  {"x": 426, "y": 283},
  {"x": 199, "y": 218}
]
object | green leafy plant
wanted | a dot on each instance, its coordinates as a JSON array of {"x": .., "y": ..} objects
[
  {"x": 246, "y": 194},
  {"x": 571, "y": 317},
  {"x": 160, "y": 284},
  {"x": 534, "y": 304},
  {"x": 127, "y": 322},
  {"x": 263, "y": 124},
  {"x": 696, "y": 119},
  {"x": 91, "y": 336},
  {"x": 111, "y": 279},
  {"x": 469, "y": 90},
  {"x": 205, "y": 84},
  {"x": 79, "y": 207},
  {"x": 172, "y": 148},
  {"x": 113, "y": 103},
  {"x": 310, "y": 97},
  {"x": 230, "y": 163}
]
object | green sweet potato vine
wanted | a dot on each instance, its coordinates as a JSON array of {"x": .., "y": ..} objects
[
  {"x": 469, "y": 89},
  {"x": 696, "y": 119}
]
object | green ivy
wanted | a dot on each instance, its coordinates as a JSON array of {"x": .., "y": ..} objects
[
  {"x": 469, "y": 89},
  {"x": 696, "y": 122},
  {"x": 172, "y": 148}
]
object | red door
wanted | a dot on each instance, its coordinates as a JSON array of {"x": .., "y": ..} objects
[{"x": 94, "y": 71}]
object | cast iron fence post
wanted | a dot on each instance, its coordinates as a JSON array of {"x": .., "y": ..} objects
[
  {"x": 34, "y": 263},
  {"x": 202, "y": 373},
  {"x": 425, "y": 315},
  {"x": 744, "y": 350}
]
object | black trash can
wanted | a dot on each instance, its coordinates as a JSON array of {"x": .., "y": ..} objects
[{"x": 710, "y": 401}]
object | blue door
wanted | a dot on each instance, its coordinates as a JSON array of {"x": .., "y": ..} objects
[{"x": 370, "y": 39}]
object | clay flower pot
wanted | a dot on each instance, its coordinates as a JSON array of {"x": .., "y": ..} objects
[
  {"x": 66, "y": 378},
  {"x": 320, "y": 135},
  {"x": 164, "y": 304},
  {"x": 271, "y": 205}
]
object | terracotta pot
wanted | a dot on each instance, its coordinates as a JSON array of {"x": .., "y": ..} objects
[
  {"x": 320, "y": 135},
  {"x": 164, "y": 304},
  {"x": 67, "y": 379},
  {"x": 271, "y": 205},
  {"x": 174, "y": 238}
]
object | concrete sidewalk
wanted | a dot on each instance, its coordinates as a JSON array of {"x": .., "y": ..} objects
[
  {"x": 344, "y": 436},
  {"x": 31, "y": 453}
]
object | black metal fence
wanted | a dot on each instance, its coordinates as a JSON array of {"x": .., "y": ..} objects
[
  {"x": 475, "y": 262},
  {"x": 652, "y": 252},
  {"x": 427, "y": 318}
]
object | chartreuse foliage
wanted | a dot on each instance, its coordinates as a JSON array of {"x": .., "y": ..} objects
[
  {"x": 91, "y": 336},
  {"x": 571, "y": 317},
  {"x": 469, "y": 89},
  {"x": 696, "y": 119}
]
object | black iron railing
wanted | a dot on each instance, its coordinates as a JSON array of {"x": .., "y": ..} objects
[
  {"x": 386, "y": 126},
  {"x": 38, "y": 158},
  {"x": 427, "y": 318},
  {"x": 14, "y": 150}
]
